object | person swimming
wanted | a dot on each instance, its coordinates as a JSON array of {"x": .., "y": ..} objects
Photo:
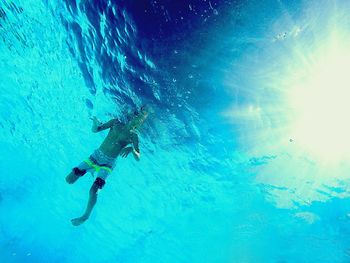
[{"x": 103, "y": 159}]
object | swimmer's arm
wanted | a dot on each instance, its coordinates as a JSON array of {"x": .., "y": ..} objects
[
  {"x": 135, "y": 148},
  {"x": 98, "y": 126}
]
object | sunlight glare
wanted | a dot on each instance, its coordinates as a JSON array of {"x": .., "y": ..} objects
[{"x": 321, "y": 105}]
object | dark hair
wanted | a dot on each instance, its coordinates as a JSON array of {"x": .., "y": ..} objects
[
  {"x": 142, "y": 108},
  {"x": 135, "y": 113}
]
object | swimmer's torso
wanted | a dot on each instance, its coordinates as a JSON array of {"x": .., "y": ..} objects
[{"x": 117, "y": 138}]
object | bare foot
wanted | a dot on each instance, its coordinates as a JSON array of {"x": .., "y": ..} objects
[
  {"x": 71, "y": 178},
  {"x": 78, "y": 221}
]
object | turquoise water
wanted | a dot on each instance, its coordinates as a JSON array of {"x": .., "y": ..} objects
[{"x": 212, "y": 185}]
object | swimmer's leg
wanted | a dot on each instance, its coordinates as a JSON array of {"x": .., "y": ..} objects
[
  {"x": 98, "y": 184},
  {"x": 78, "y": 172}
]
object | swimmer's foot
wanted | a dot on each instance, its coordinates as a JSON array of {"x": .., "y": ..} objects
[
  {"x": 71, "y": 178},
  {"x": 78, "y": 221}
]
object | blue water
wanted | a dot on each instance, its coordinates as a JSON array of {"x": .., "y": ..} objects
[{"x": 211, "y": 186}]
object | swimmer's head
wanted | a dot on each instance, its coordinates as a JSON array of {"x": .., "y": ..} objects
[{"x": 138, "y": 117}]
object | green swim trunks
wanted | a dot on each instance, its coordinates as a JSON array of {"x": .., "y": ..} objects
[{"x": 100, "y": 163}]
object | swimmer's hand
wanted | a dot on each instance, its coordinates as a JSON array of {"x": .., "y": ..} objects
[
  {"x": 95, "y": 123},
  {"x": 95, "y": 120},
  {"x": 125, "y": 152}
]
